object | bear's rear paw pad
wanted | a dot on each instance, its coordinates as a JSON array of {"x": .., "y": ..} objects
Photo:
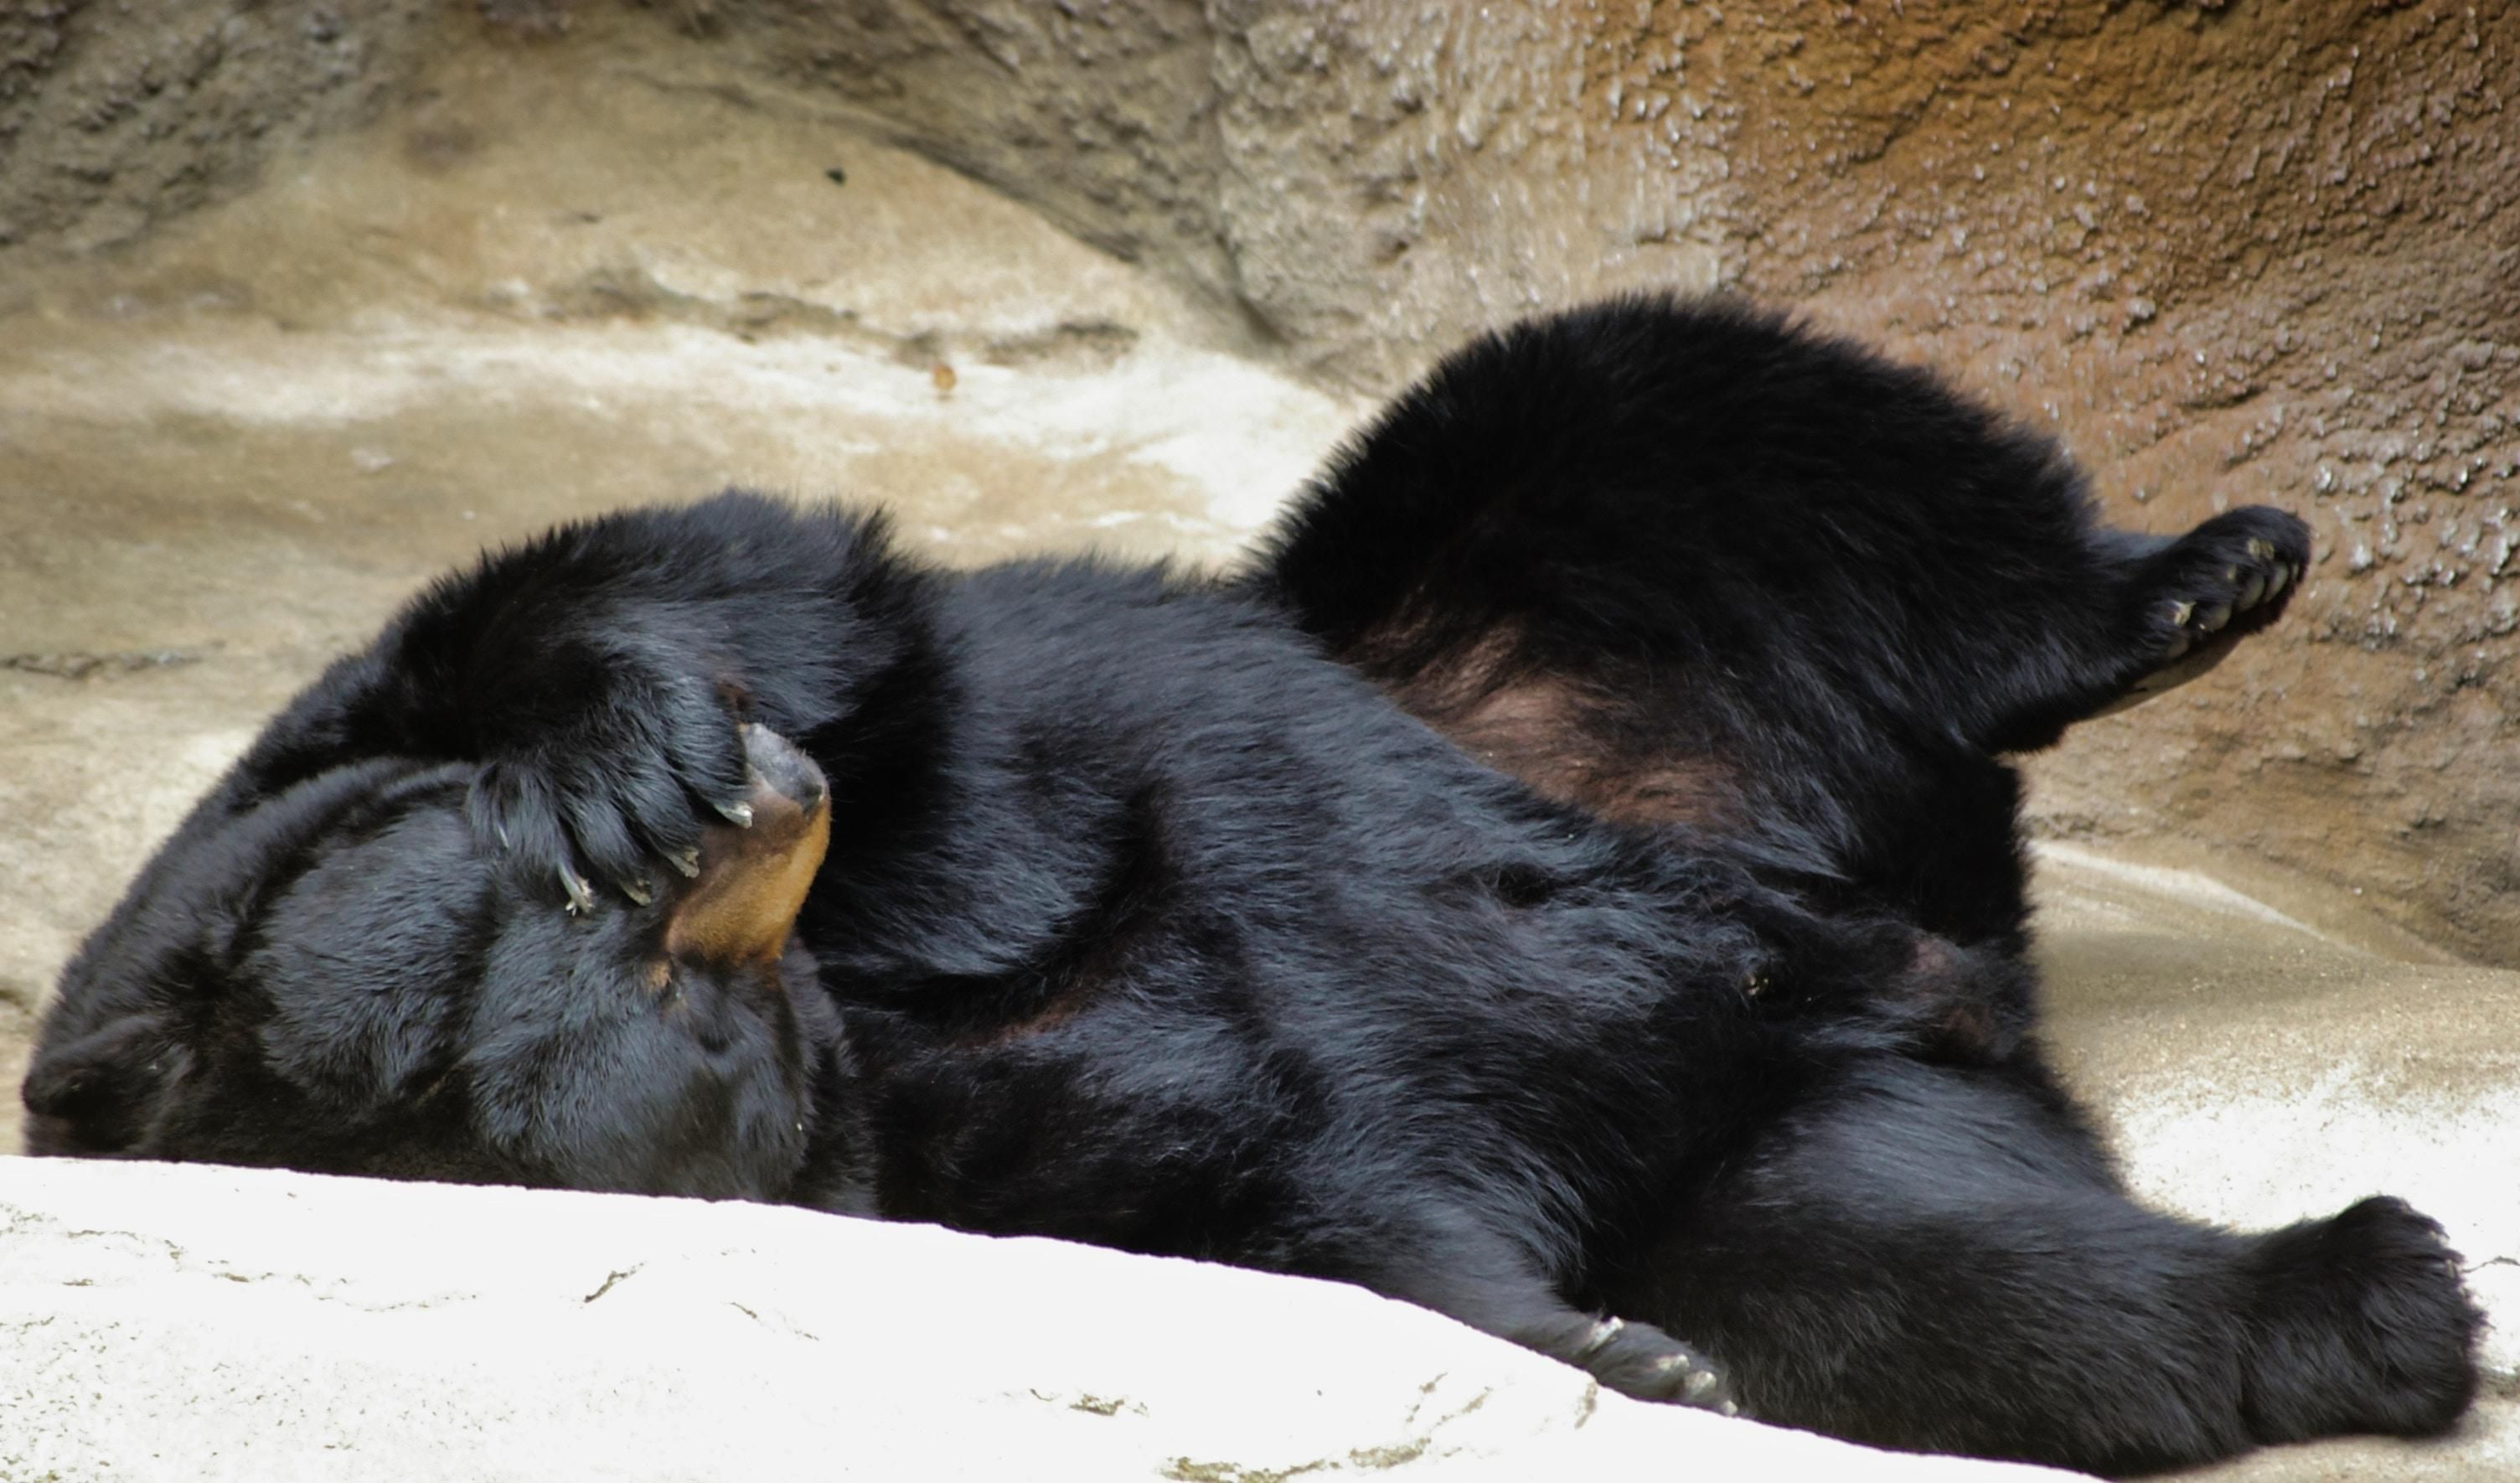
[
  {"x": 2204, "y": 592},
  {"x": 1641, "y": 1360}
]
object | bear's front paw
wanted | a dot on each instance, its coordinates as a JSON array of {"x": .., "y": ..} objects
[
  {"x": 616, "y": 792},
  {"x": 1641, "y": 1360}
]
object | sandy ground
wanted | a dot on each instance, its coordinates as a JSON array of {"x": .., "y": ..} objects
[{"x": 535, "y": 294}]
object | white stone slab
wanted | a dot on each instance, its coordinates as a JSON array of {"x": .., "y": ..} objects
[{"x": 197, "y": 1323}]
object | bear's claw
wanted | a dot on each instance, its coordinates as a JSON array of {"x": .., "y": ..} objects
[{"x": 581, "y": 895}]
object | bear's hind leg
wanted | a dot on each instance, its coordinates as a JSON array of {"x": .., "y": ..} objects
[
  {"x": 1940, "y": 1260},
  {"x": 2362, "y": 1325}
]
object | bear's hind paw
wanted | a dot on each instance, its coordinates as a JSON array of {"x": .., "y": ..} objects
[{"x": 2200, "y": 596}]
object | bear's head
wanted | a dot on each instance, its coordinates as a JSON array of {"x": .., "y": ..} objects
[{"x": 343, "y": 978}]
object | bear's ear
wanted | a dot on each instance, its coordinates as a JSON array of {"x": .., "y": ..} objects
[
  {"x": 96, "y": 1093},
  {"x": 754, "y": 878}
]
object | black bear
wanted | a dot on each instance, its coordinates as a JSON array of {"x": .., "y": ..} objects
[{"x": 1568, "y": 880}]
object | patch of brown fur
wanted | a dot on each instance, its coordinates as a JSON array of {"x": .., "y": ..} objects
[
  {"x": 1538, "y": 727},
  {"x": 752, "y": 884},
  {"x": 1081, "y": 992}
]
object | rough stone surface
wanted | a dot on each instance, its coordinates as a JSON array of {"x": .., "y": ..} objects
[
  {"x": 117, "y": 115},
  {"x": 2263, "y": 253},
  {"x": 211, "y": 1323}
]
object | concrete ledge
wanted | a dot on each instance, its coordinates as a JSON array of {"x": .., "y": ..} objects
[{"x": 193, "y": 1323}]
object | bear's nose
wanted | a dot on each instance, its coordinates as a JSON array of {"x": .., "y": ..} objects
[
  {"x": 753, "y": 876},
  {"x": 781, "y": 766}
]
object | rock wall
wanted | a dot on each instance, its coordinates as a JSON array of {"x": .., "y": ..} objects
[
  {"x": 114, "y": 116},
  {"x": 2229, "y": 252},
  {"x": 2263, "y": 253}
]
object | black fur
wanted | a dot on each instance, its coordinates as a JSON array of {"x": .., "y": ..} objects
[{"x": 1570, "y": 872}]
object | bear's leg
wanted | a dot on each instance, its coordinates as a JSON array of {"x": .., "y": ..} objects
[
  {"x": 1937, "y": 1259},
  {"x": 1683, "y": 563},
  {"x": 2155, "y": 612}
]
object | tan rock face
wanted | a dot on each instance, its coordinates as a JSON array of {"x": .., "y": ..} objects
[
  {"x": 2228, "y": 253},
  {"x": 116, "y": 116},
  {"x": 2263, "y": 255}
]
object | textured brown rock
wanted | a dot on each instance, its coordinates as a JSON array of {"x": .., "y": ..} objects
[{"x": 2264, "y": 253}]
